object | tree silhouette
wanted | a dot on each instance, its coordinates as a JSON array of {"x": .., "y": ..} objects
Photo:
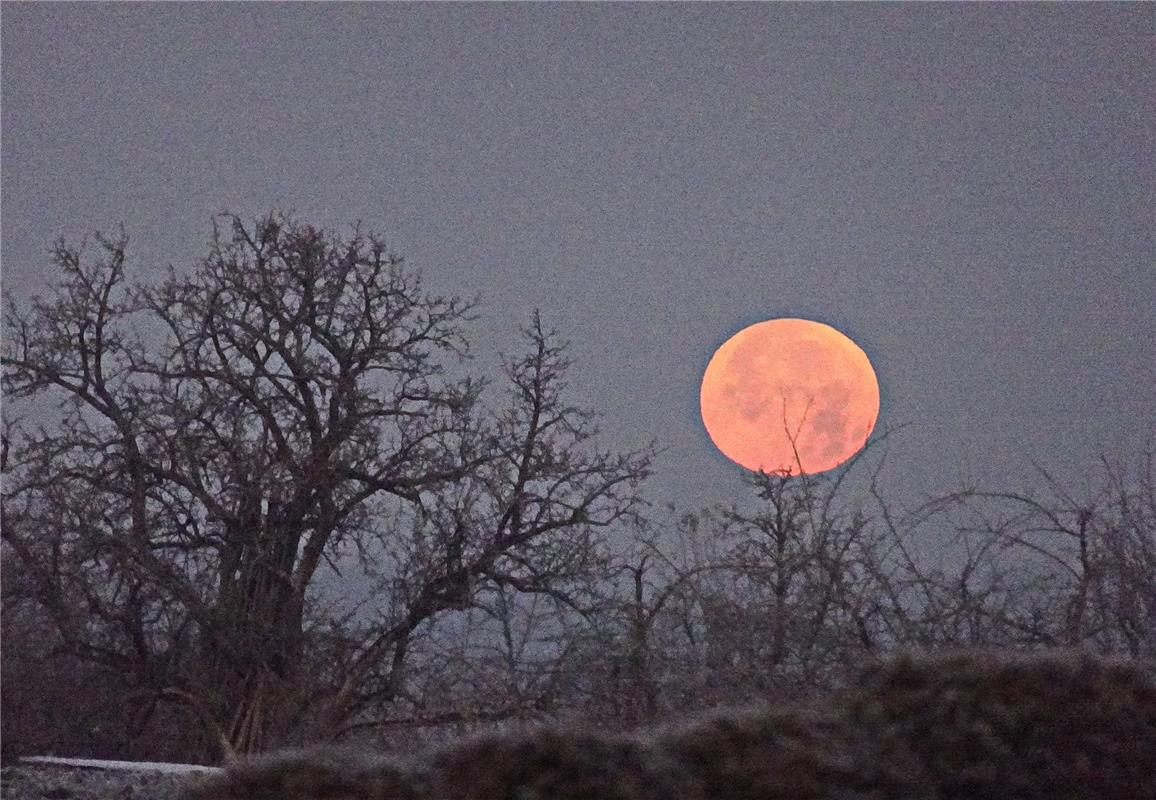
[{"x": 225, "y": 433}]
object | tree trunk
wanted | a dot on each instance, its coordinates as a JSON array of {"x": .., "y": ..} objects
[{"x": 254, "y": 653}]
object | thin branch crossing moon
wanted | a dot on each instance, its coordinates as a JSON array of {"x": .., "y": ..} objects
[{"x": 789, "y": 396}]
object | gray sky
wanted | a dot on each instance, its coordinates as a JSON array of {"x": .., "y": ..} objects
[{"x": 967, "y": 191}]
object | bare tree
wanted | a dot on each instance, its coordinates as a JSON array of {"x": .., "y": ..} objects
[
  {"x": 792, "y": 596},
  {"x": 526, "y": 522},
  {"x": 1043, "y": 568},
  {"x": 787, "y": 592},
  {"x": 757, "y": 599},
  {"x": 225, "y": 434}
]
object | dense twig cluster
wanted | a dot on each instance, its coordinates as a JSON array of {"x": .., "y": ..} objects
[{"x": 291, "y": 403}]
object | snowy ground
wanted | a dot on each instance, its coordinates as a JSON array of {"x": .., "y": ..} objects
[{"x": 74, "y": 779}]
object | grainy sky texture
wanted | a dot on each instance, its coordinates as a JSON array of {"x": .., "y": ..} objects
[{"x": 965, "y": 190}]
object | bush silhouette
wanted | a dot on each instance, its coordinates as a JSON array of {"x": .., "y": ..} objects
[{"x": 963, "y": 725}]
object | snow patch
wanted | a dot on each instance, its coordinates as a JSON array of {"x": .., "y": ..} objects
[{"x": 129, "y": 766}]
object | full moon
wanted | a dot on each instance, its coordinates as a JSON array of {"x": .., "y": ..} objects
[{"x": 789, "y": 396}]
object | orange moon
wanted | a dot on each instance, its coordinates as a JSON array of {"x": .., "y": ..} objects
[{"x": 789, "y": 395}]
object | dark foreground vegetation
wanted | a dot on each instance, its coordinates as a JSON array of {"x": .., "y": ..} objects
[
  {"x": 969, "y": 726},
  {"x": 266, "y": 502}
]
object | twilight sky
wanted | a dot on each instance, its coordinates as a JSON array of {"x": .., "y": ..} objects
[{"x": 966, "y": 191}]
